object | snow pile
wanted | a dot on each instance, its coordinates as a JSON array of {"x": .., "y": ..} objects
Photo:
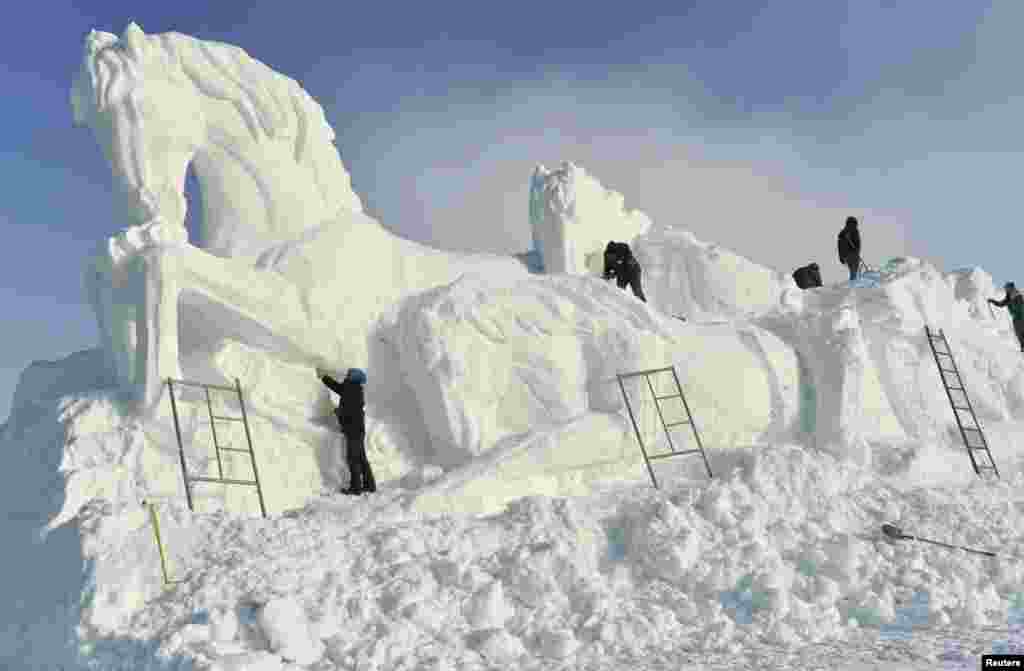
[
  {"x": 975, "y": 286},
  {"x": 573, "y": 217},
  {"x": 781, "y": 550}
]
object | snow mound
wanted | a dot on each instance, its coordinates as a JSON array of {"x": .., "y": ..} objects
[{"x": 782, "y": 549}]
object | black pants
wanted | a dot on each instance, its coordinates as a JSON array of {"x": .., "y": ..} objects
[
  {"x": 632, "y": 280},
  {"x": 853, "y": 263},
  {"x": 1018, "y": 328},
  {"x": 359, "y": 471}
]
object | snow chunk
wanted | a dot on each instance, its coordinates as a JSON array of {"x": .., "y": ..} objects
[
  {"x": 286, "y": 627},
  {"x": 248, "y": 661},
  {"x": 487, "y": 608}
]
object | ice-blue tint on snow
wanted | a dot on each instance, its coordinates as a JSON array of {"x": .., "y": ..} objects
[
  {"x": 916, "y": 614},
  {"x": 743, "y": 601},
  {"x": 808, "y": 400},
  {"x": 1014, "y": 645},
  {"x": 616, "y": 544}
]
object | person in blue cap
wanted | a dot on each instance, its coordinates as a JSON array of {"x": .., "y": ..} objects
[{"x": 352, "y": 418}]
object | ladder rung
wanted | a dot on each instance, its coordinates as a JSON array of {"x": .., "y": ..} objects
[
  {"x": 227, "y": 419},
  {"x": 943, "y": 353},
  {"x": 946, "y": 370},
  {"x": 678, "y": 423},
  {"x": 977, "y": 447},
  {"x": 671, "y": 454},
  {"x": 662, "y": 398},
  {"x": 223, "y": 481},
  {"x": 962, "y": 408},
  {"x": 233, "y": 449},
  {"x": 971, "y": 428},
  {"x": 956, "y": 388}
]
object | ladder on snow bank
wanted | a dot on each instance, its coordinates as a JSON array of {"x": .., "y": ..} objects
[
  {"x": 657, "y": 399},
  {"x": 957, "y": 385},
  {"x": 217, "y": 448}
]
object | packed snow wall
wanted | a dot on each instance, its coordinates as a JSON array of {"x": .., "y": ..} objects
[{"x": 704, "y": 281}]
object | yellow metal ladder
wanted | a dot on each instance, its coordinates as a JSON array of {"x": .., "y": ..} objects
[{"x": 646, "y": 374}]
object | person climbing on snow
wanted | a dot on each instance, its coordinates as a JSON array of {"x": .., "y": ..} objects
[
  {"x": 807, "y": 277},
  {"x": 620, "y": 263},
  {"x": 849, "y": 247},
  {"x": 352, "y": 418},
  {"x": 1014, "y": 302}
]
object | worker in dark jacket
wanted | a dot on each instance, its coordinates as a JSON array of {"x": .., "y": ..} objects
[
  {"x": 849, "y": 246},
  {"x": 620, "y": 263},
  {"x": 807, "y": 277},
  {"x": 352, "y": 417},
  {"x": 1015, "y": 303}
]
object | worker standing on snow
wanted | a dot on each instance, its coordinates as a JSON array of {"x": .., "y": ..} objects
[
  {"x": 1014, "y": 302},
  {"x": 352, "y": 417},
  {"x": 620, "y": 263},
  {"x": 849, "y": 247}
]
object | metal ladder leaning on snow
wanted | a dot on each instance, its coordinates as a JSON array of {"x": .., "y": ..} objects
[
  {"x": 217, "y": 448},
  {"x": 657, "y": 399},
  {"x": 958, "y": 386}
]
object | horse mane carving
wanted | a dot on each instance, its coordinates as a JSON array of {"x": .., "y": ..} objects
[{"x": 272, "y": 106}]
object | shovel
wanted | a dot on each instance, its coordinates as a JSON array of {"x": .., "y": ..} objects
[{"x": 894, "y": 532}]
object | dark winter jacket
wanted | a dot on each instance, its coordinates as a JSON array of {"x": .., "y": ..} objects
[
  {"x": 620, "y": 263},
  {"x": 351, "y": 413},
  {"x": 849, "y": 243},
  {"x": 1014, "y": 301},
  {"x": 807, "y": 277}
]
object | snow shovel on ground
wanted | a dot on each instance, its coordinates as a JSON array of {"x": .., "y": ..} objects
[{"x": 896, "y": 533}]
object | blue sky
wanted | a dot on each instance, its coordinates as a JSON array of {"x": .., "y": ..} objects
[{"x": 758, "y": 127}]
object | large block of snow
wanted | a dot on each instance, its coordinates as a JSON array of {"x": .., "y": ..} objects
[
  {"x": 498, "y": 365},
  {"x": 487, "y": 360},
  {"x": 573, "y": 217},
  {"x": 685, "y": 276}
]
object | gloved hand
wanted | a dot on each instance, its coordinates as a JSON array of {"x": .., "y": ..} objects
[{"x": 992, "y": 302}]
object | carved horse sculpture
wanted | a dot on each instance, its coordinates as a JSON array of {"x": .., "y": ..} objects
[{"x": 284, "y": 247}]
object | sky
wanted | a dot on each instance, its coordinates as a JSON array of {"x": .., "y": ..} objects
[{"x": 756, "y": 127}]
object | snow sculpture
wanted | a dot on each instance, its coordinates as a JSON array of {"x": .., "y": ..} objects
[
  {"x": 701, "y": 280},
  {"x": 573, "y": 217},
  {"x": 283, "y": 243}
]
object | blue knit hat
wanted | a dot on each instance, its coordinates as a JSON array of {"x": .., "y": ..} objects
[{"x": 356, "y": 375}]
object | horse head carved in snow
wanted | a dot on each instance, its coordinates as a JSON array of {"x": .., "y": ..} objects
[
  {"x": 276, "y": 197},
  {"x": 260, "y": 146}
]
